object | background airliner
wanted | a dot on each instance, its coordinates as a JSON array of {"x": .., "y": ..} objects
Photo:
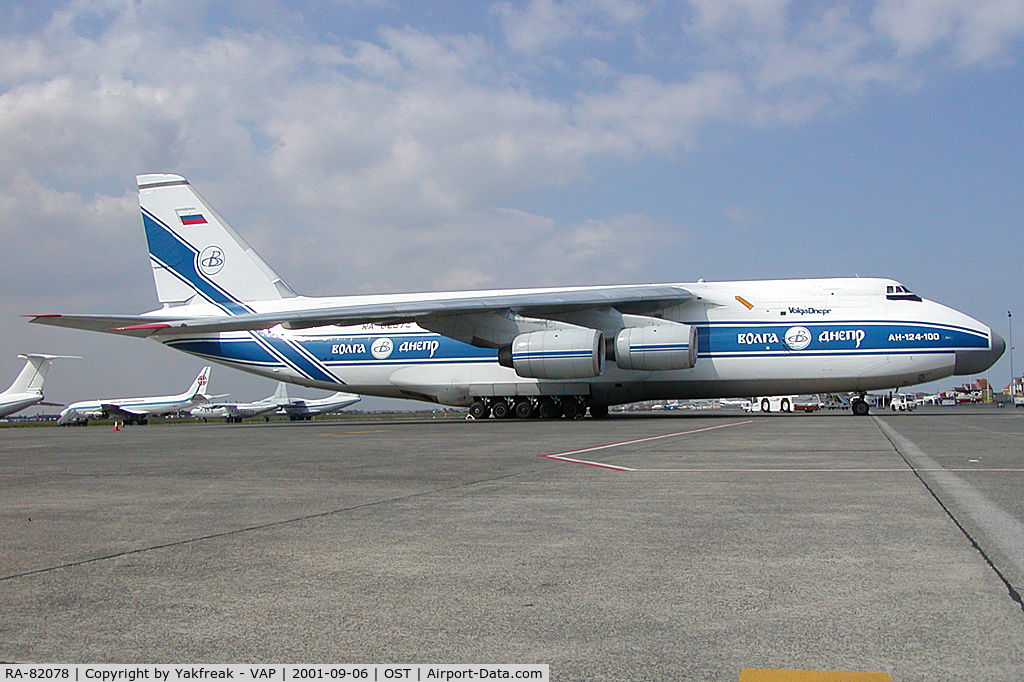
[
  {"x": 295, "y": 408},
  {"x": 536, "y": 352},
  {"x": 136, "y": 410},
  {"x": 233, "y": 412},
  {"x": 27, "y": 389},
  {"x": 299, "y": 409}
]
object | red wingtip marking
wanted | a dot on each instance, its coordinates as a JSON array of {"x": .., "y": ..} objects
[{"x": 135, "y": 327}]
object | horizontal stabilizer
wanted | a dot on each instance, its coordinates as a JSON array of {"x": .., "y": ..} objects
[{"x": 135, "y": 325}]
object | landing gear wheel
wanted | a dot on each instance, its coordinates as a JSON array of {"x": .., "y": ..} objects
[
  {"x": 860, "y": 408},
  {"x": 766, "y": 406},
  {"x": 599, "y": 411},
  {"x": 501, "y": 410},
  {"x": 524, "y": 409},
  {"x": 547, "y": 409},
  {"x": 572, "y": 408},
  {"x": 479, "y": 410}
]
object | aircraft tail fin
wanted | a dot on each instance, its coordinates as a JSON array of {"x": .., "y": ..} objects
[
  {"x": 281, "y": 394},
  {"x": 33, "y": 374},
  {"x": 195, "y": 255},
  {"x": 200, "y": 385}
]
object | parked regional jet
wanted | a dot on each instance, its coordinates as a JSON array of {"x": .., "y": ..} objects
[
  {"x": 27, "y": 389},
  {"x": 536, "y": 352},
  {"x": 136, "y": 410},
  {"x": 304, "y": 409}
]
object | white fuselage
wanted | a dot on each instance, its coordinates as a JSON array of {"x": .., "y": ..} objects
[
  {"x": 12, "y": 402},
  {"x": 234, "y": 411},
  {"x": 142, "y": 407},
  {"x": 753, "y": 338}
]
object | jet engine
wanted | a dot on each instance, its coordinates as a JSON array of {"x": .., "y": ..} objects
[
  {"x": 657, "y": 347},
  {"x": 556, "y": 354}
]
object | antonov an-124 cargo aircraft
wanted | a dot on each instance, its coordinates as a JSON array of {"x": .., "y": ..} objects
[{"x": 536, "y": 352}]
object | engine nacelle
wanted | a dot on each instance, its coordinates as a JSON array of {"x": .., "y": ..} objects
[
  {"x": 556, "y": 354},
  {"x": 657, "y": 347}
]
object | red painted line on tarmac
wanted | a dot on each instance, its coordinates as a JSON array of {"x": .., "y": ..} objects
[{"x": 564, "y": 456}]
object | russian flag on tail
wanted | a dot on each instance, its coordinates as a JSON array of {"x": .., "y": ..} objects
[{"x": 190, "y": 216}]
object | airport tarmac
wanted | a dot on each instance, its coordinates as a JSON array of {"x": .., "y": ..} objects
[{"x": 652, "y": 547}]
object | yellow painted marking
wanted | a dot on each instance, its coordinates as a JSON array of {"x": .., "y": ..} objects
[
  {"x": 759, "y": 675},
  {"x": 748, "y": 304}
]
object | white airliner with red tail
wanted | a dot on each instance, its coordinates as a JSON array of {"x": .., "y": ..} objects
[
  {"x": 536, "y": 352},
  {"x": 137, "y": 410}
]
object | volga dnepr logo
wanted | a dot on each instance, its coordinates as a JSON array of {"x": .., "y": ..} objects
[
  {"x": 211, "y": 260},
  {"x": 382, "y": 348},
  {"x": 797, "y": 338}
]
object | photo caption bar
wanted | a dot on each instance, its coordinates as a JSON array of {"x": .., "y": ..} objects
[{"x": 170, "y": 672}]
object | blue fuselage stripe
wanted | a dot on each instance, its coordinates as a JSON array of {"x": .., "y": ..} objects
[{"x": 316, "y": 356}]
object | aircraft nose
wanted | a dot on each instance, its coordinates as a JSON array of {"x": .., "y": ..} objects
[{"x": 977, "y": 361}]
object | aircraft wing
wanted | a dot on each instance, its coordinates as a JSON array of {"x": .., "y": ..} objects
[
  {"x": 118, "y": 411},
  {"x": 540, "y": 303},
  {"x": 217, "y": 406}
]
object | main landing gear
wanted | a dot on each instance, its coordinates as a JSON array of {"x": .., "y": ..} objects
[{"x": 545, "y": 407}]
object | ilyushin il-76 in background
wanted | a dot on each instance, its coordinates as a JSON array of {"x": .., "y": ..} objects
[
  {"x": 536, "y": 352},
  {"x": 27, "y": 389}
]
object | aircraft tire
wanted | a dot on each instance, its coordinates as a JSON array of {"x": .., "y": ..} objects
[
  {"x": 501, "y": 410},
  {"x": 599, "y": 411},
  {"x": 860, "y": 408},
  {"x": 572, "y": 408},
  {"x": 524, "y": 409},
  {"x": 547, "y": 409},
  {"x": 479, "y": 410}
]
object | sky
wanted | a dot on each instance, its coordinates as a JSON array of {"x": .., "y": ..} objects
[{"x": 370, "y": 146}]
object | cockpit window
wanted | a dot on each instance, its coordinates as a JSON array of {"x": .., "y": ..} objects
[{"x": 898, "y": 292}]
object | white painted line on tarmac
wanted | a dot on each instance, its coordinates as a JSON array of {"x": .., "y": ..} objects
[
  {"x": 564, "y": 456},
  {"x": 1005, "y": 531}
]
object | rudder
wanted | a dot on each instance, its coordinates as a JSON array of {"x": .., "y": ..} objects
[
  {"x": 33, "y": 374},
  {"x": 201, "y": 384}
]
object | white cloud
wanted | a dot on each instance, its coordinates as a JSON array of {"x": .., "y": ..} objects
[
  {"x": 544, "y": 24},
  {"x": 645, "y": 114},
  {"x": 424, "y": 140},
  {"x": 979, "y": 31}
]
